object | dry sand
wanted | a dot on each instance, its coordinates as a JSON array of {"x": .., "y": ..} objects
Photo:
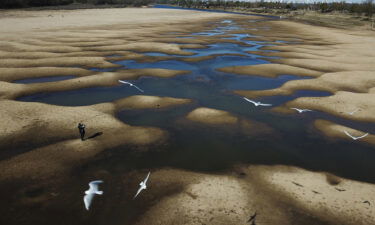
[
  {"x": 227, "y": 121},
  {"x": 279, "y": 194},
  {"x": 57, "y": 128},
  {"x": 314, "y": 193}
]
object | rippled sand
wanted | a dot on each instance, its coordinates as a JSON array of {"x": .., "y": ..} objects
[{"x": 43, "y": 149}]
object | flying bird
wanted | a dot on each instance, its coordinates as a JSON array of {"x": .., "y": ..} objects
[
  {"x": 302, "y": 110},
  {"x": 93, "y": 190},
  {"x": 256, "y": 103},
  {"x": 352, "y": 112},
  {"x": 142, "y": 185},
  {"x": 131, "y": 85},
  {"x": 355, "y": 138}
]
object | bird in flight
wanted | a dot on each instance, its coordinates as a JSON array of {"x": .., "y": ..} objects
[
  {"x": 352, "y": 112},
  {"x": 142, "y": 185},
  {"x": 353, "y": 137},
  {"x": 302, "y": 110},
  {"x": 131, "y": 85},
  {"x": 93, "y": 190},
  {"x": 256, "y": 103}
]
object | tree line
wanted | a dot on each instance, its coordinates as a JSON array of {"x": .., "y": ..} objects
[
  {"x": 36, "y": 3},
  {"x": 366, "y": 7}
]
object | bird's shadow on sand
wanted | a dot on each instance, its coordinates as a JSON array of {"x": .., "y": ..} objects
[{"x": 94, "y": 135}]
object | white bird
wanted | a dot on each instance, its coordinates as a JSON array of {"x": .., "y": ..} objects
[
  {"x": 355, "y": 138},
  {"x": 256, "y": 103},
  {"x": 302, "y": 110},
  {"x": 131, "y": 85},
  {"x": 351, "y": 113},
  {"x": 142, "y": 186},
  {"x": 93, "y": 190}
]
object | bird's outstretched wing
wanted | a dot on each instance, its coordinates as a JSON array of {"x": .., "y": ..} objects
[
  {"x": 139, "y": 191},
  {"x": 355, "y": 138},
  {"x": 148, "y": 175},
  {"x": 352, "y": 112},
  {"x": 138, "y": 88},
  {"x": 87, "y": 199},
  {"x": 296, "y": 109},
  {"x": 263, "y": 104},
  {"x": 132, "y": 85},
  {"x": 347, "y": 133},
  {"x": 255, "y": 103},
  {"x": 94, "y": 185},
  {"x": 124, "y": 82},
  {"x": 362, "y": 136}
]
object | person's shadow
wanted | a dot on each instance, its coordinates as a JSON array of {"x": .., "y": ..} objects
[{"x": 94, "y": 135}]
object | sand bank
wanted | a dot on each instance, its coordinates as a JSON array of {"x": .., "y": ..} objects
[
  {"x": 342, "y": 61},
  {"x": 333, "y": 130},
  {"x": 57, "y": 128},
  {"x": 355, "y": 81},
  {"x": 12, "y": 90},
  {"x": 270, "y": 70},
  {"x": 340, "y": 104},
  {"x": 338, "y": 202},
  {"x": 279, "y": 194},
  {"x": 209, "y": 117}
]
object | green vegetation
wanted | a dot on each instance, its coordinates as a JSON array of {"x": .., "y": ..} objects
[{"x": 365, "y": 8}]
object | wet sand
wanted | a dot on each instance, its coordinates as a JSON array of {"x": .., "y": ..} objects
[{"x": 39, "y": 45}]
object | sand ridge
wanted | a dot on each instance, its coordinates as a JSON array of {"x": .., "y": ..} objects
[
  {"x": 223, "y": 120},
  {"x": 99, "y": 79},
  {"x": 58, "y": 127},
  {"x": 342, "y": 59}
]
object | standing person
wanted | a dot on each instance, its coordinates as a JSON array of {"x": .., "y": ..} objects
[{"x": 81, "y": 128}]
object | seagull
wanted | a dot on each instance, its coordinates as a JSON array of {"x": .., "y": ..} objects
[
  {"x": 93, "y": 190},
  {"x": 355, "y": 138},
  {"x": 302, "y": 110},
  {"x": 142, "y": 186},
  {"x": 256, "y": 103},
  {"x": 351, "y": 113},
  {"x": 131, "y": 85}
]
